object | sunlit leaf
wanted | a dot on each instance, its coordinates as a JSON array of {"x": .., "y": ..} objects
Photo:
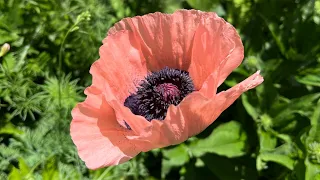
[
  {"x": 267, "y": 140},
  {"x": 278, "y": 158},
  {"x": 22, "y": 172},
  {"x": 15, "y": 174},
  {"x": 228, "y": 139},
  {"x": 312, "y": 170},
  {"x": 9, "y": 128},
  {"x": 177, "y": 156},
  {"x": 50, "y": 172}
]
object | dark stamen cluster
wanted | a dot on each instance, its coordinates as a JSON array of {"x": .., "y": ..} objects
[{"x": 158, "y": 91}]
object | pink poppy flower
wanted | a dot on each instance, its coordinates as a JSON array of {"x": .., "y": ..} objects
[{"x": 155, "y": 85}]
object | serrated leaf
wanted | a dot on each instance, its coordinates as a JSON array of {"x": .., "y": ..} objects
[
  {"x": 278, "y": 158},
  {"x": 284, "y": 155},
  {"x": 227, "y": 140},
  {"x": 9, "y": 63}
]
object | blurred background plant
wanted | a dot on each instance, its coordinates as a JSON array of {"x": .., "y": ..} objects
[{"x": 272, "y": 132}]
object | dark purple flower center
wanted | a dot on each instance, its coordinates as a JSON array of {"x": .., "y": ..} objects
[
  {"x": 157, "y": 91},
  {"x": 168, "y": 91}
]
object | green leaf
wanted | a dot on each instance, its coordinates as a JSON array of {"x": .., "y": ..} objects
[
  {"x": 75, "y": 28},
  {"x": 23, "y": 167},
  {"x": 284, "y": 155},
  {"x": 312, "y": 170},
  {"x": 226, "y": 168},
  {"x": 260, "y": 165},
  {"x": 227, "y": 140},
  {"x": 299, "y": 105},
  {"x": 203, "y": 4},
  {"x": 9, "y": 128},
  {"x": 14, "y": 174},
  {"x": 8, "y": 63},
  {"x": 299, "y": 170},
  {"x": 50, "y": 171},
  {"x": 275, "y": 35},
  {"x": 177, "y": 156},
  {"x": 171, "y": 6},
  {"x": 22, "y": 173},
  {"x": 174, "y": 157},
  {"x": 267, "y": 140},
  {"x": 314, "y": 133},
  {"x": 310, "y": 79},
  {"x": 252, "y": 111},
  {"x": 278, "y": 158}
]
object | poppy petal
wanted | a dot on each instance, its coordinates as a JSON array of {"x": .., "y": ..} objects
[
  {"x": 236, "y": 54},
  {"x": 163, "y": 133},
  {"x": 137, "y": 123},
  {"x": 206, "y": 57},
  {"x": 172, "y": 128},
  {"x": 198, "y": 112},
  {"x": 121, "y": 65},
  {"x": 121, "y": 68},
  {"x": 167, "y": 38},
  {"x": 187, "y": 39},
  {"x": 99, "y": 138},
  {"x": 217, "y": 48},
  {"x": 229, "y": 96}
]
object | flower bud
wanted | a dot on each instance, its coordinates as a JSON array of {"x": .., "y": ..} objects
[{"x": 4, "y": 49}]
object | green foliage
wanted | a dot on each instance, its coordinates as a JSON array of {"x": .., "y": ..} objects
[
  {"x": 272, "y": 132},
  {"x": 228, "y": 139}
]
